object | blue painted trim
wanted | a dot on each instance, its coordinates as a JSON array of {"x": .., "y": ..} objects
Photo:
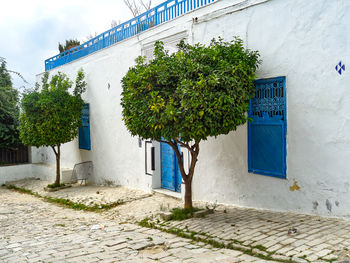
[
  {"x": 160, "y": 14},
  {"x": 265, "y": 120}
]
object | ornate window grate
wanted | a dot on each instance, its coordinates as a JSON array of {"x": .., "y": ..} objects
[{"x": 269, "y": 100}]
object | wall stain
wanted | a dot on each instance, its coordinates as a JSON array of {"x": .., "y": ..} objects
[
  {"x": 329, "y": 205},
  {"x": 294, "y": 187},
  {"x": 314, "y": 205},
  {"x": 337, "y": 203}
]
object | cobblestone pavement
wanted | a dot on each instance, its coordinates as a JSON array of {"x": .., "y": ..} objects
[
  {"x": 35, "y": 231},
  {"x": 316, "y": 239},
  {"x": 84, "y": 194},
  {"x": 286, "y": 235}
]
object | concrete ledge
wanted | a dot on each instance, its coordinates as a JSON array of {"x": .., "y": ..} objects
[
  {"x": 31, "y": 171},
  {"x": 167, "y": 193},
  {"x": 15, "y": 172}
]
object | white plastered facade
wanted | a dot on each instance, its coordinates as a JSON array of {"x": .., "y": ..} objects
[{"x": 301, "y": 40}]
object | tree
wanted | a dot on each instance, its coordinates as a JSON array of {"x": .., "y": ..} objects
[
  {"x": 5, "y": 77},
  {"x": 51, "y": 116},
  {"x": 136, "y": 8},
  {"x": 185, "y": 97},
  {"x": 9, "y": 111},
  {"x": 70, "y": 43}
]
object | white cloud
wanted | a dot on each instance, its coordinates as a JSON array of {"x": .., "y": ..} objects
[{"x": 30, "y": 30}]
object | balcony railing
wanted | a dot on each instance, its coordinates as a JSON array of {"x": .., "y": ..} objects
[{"x": 153, "y": 17}]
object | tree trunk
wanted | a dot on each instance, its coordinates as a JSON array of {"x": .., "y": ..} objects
[
  {"x": 188, "y": 195},
  {"x": 187, "y": 178},
  {"x": 58, "y": 168}
]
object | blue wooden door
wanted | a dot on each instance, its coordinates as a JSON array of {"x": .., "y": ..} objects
[
  {"x": 170, "y": 172},
  {"x": 267, "y": 131}
]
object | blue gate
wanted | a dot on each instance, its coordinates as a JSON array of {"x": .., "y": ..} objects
[
  {"x": 170, "y": 173},
  {"x": 267, "y": 131}
]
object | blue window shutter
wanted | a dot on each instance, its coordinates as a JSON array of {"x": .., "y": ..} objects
[
  {"x": 267, "y": 130},
  {"x": 84, "y": 130}
]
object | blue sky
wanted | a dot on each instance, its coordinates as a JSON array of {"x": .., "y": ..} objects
[{"x": 30, "y": 30}]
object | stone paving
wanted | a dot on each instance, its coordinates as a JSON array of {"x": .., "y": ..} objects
[
  {"x": 284, "y": 235},
  {"x": 84, "y": 194},
  {"x": 35, "y": 231}
]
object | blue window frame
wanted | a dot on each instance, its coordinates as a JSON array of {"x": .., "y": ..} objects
[
  {"x": 84, "y": 129},
  {"x": 267, "y": 128}
]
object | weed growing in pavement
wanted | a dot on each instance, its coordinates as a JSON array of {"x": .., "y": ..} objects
[
  {"x": 66, "y": 202},
  {"x": 54, "y": 185},
  {"x": 207, "y": 239},
  {"x": 61, "y": 225},
  {"x": 182, "y": 213}
]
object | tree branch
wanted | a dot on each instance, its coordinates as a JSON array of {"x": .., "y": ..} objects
[
  {"x": 53, "y": 148},
  {"x": 179, "y": 160},
  {"x": 162, "y": 141},
  {"x": 146, "y": 5},
  {"x": 185, "y": 145},
  {"x": 194, "y": 159},
  {"x": 133, "y": 7}
]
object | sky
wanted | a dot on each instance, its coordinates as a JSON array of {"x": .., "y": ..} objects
[{"x": 31, "y": 29}]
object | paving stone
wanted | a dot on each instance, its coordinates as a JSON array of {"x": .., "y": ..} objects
[
  {"x": 113, "y": 243},
  {"x": 35, "y": 231}
]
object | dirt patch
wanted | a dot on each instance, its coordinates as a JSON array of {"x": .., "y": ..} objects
[{"x": 153, "y": 249}]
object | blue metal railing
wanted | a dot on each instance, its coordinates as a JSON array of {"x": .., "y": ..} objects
[{"x": 153, "y": 17}]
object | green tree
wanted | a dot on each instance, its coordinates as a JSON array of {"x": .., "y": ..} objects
[
  {"x": 9, "y": 112},
  {"x": 70, "y": 43},
  {"x": 5, "y": 78},
  {"x": 185, "y": 97},
  {"x": 51, "y": 116}
]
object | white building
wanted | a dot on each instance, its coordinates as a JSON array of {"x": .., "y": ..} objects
[{"x": 307, "y": 43}]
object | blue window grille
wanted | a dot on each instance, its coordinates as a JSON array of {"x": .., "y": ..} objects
[
  {"x": 267, "y": 129},
  {"x": 84, "y": 129}
]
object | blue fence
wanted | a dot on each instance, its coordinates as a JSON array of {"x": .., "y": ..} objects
[{"x": 155, "y": 16}]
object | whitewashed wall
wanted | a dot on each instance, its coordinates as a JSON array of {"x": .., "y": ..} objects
[{"x": 302, "y": 40}]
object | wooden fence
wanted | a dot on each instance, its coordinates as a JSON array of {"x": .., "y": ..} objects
[{"x": 14, "y": 156}]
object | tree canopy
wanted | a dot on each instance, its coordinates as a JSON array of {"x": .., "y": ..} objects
[
  {"x": 51, "y": 115},
  {"x": 197, "y": 92},
  {"x": 5, "y": 77},
  {"x": 186, "y": 97},
  {"x": 9, "y": 111},
  {"x": 70, "y": 43}
]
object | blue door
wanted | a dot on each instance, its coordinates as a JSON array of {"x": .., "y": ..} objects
[
  {"x": 267, "y": 131},
  {"x": 170, "y": 172}
]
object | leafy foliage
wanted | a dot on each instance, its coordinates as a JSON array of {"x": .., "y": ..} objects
[
  {"x": 51, "y": 116},
  {"x": 188, "y": 96},
  {"x": 9, "y": 111},
  {"x": 70, "y": 43},
  {"x": 5, "y": 78},
  {"x": 182, "y": 213},
  {"x": 197, "y": 92}
]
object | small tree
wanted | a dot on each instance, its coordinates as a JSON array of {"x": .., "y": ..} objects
[
  {"x": 51, "y": 116},
  {"x": 185, "y": 97},
  {"x": 70, "y": 43}
]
